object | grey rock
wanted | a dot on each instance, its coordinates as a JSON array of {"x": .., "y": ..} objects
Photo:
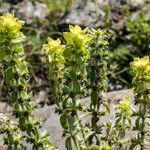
[
  {"x": 86, "y": 13},
  {"x": 30, "y": 11},
  {"x": 26, "y": 10},
  {"x": 4, "y": 7},
  {"x": 101, "y": 13},
  {"x": 145, "y": 9},
  {"x": 135, "y": 3}
]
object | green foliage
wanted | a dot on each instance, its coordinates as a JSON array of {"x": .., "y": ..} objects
[
  {"x": 106, "y": 147},
  {"x": 116, "y": 132},
  {"x": 83, "y": 60},
  {"x": 78, "y": 66},
  {"x": 13, "y": 137},
  {"x": 141, "y": 89},
  {"x": 119, "y": 69},
  {"x": 17, "y": 77},
  {"x": 139, "y": 31},
  {"x": 57, "y": 5},
  {"x": 97, "y": 70},
  {"x": 67, "y": 73}
]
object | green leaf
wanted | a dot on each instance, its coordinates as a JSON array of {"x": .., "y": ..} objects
[
  {"x": 73, "y": 75},
  {"x": 107, "y": 107},
  {"x": 19, "y": 39},
  {"x": 88, "y": 134},
  {"x": 94, "y": 97},
  {"x": 71, "y": 121},
  {"x": 2, "y": 54},
  {"x": 68, "y": 37},
  {"x": 9, "y": 75},
  {"x": 68, "y": 144},
  {"x": 22, "y": 124},
  {"x": 74, "y": 87},
  {"x": 132, "y": 147},
  {"x": 94, "y": 147},
  {"x": 63, "y": 120}
]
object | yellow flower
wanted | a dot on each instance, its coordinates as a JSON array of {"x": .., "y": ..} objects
[
  {"x": 140, "y": 63},
  {"x": 53, "y": 45},
  {"x": 54, "y": 49},
  {"x": 10, "y": 24},
  {"x": 124, "y": 104},
  {"x": 106, "y": 146},
  {"x": 148, "y": 68},
  {"x": 76, "y": 29},
  {"x": 76, "y": 33}
]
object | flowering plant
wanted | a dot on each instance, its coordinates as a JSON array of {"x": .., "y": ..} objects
[
  {"x": 76, "y": 67},
  {"x": 141, "y": 89},
  {"x": 17, "y": 79}
]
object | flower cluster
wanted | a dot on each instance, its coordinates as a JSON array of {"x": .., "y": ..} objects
[
  {"x": 140, "y": 63},
  {"x": 54, "y": 51},
  {"x": 141, "y": 69},
  {"x": 124, "y": 104},
  {"x": 9, "y": 25},
  {"x": 76, "y": 34}
]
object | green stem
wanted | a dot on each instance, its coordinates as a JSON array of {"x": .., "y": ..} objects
[
  {"x": 143, "y": 129},
  {"x": 80, "y": 124},
  {"x": 76, "y": 143},
  {"x": 83, "y": 135}
]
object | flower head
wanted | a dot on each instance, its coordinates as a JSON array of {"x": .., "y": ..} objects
[
  {"x": 124, "y": 104},
  {"x": 54, "y": 49},
  {"x": 10, "y": 25},
  {"x": 75, "y": 29},
  {"x": 140, "y": 62},
  {"x": 76, "y": 33},
  {"x": 53, "y": 45}
]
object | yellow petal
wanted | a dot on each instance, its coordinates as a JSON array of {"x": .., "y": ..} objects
[
  {"x": 75, "y": 29},
  {"x": 78, "y": 29},
  {"x": 58, "y": 41},
  {"x": 71, "y": 28},
  {"x": 141, "y": 62}
]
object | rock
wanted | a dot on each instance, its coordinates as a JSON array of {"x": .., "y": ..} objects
[
  {"x": 4, "y": 7},
  {"x": 27, "y": 10},
  {"x": 41, "y": 96},
  {"x": 135, "y": 3},
  {"x": 101, "y": 13},
  {"x": 96, "y": 13},
  {"x": 86, "y": 13},
  {"x": 5, "y": 107}
]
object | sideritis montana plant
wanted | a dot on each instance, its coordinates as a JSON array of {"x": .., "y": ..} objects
[{"x": 20, "y": 98}]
